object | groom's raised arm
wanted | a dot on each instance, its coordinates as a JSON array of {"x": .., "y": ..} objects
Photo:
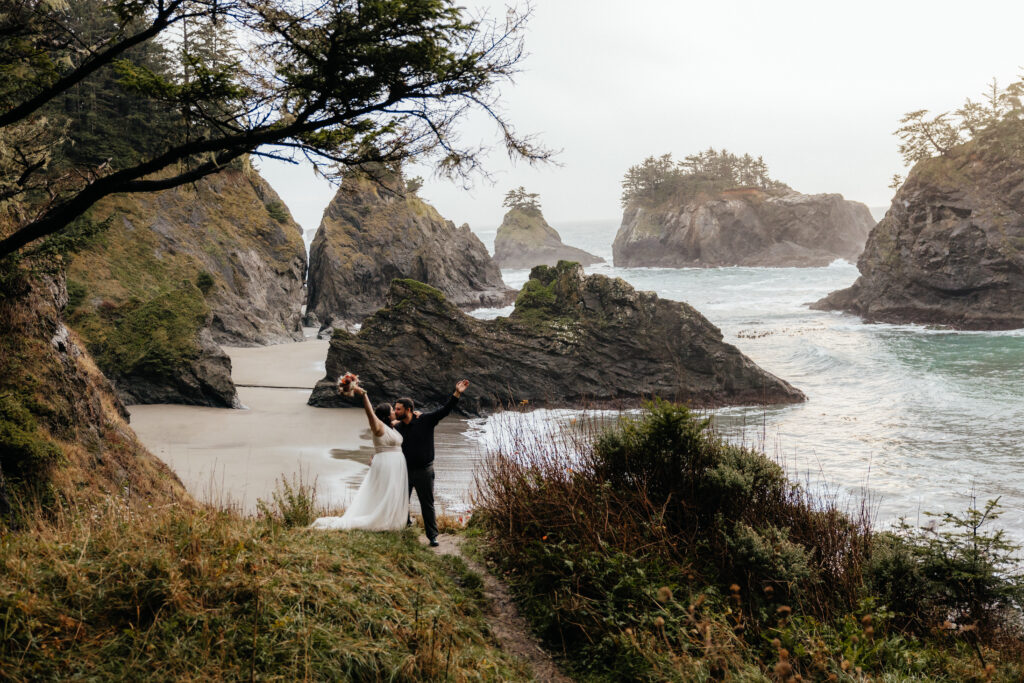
[{"x": 442, "y": 412}]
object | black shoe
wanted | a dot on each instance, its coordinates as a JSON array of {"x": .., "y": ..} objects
[{"x": 434, "y": 543}]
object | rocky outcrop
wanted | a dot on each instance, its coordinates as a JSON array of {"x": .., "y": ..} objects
[
  {"x": 376, "y": 230},
  {"x": 572, "y": 340},
  {"x": 950, "y": 251},
  {"x": 179, "y": 272},
  {"x": 743, "y": 227},
  {"x": 525, "y": 240},
  {"x": 64, "y": 435}
]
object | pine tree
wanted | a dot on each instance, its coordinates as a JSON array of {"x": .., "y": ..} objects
[
  {"x": 109, "y": 122},
  {"x": 522, "y": 200},
  {"x": 711, "y": 171}
]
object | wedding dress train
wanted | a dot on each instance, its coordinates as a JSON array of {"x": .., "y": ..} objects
[{"x": 382, "y": 502}]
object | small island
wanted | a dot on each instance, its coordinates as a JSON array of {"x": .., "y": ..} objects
[
  {"x": 525, "y": 239},
  {"x": 717, "y": 209}
]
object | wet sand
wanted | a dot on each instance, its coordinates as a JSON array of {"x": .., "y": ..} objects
[{"x": 234, "y": 456}]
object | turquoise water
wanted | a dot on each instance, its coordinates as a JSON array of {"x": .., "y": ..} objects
[{"x": 916, "y": 418}]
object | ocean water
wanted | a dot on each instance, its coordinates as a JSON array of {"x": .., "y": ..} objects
[{"x": 915, "y": 419}]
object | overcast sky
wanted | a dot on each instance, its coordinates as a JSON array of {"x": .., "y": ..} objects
[{"x": 816, "y": 88}]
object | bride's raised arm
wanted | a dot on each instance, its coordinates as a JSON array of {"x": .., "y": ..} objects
[{"x": 376, "y": 426}]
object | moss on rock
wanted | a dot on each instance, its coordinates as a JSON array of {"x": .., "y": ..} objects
[
  {"x": 27, "y": 455},
  {"x": 408, "y": 288},
  {"x": 155, "y": 337},
  {"x": 64, "y": 437}
]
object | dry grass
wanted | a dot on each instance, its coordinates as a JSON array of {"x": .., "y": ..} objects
[{"x": 110, "y": 593}]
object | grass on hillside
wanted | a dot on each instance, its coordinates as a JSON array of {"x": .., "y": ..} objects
[
  {"x": 177, "y": 593},
  {"x": 654, "y": 550}
]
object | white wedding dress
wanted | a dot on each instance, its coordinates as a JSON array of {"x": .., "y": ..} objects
[{"x": 382, "y": 502}]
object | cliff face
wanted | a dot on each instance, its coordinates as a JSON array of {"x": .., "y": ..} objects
[
  {"x": 572, "y": 340},
  {"x": 745, "y": 227},
  {"x": 375, "y": 231},
  {"x": 64, "y": 435},
  {"x": 950, "y": 250},
  {"x": 525, "y": 240},
  {"x": 179, "y": 272}
]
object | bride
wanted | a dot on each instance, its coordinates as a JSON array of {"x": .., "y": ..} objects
[{"x": 382, "y": 502}]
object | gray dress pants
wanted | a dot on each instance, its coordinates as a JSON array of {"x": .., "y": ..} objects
[{"x": 422, "y": 479}]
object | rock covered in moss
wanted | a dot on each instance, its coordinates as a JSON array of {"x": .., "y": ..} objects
[
  {"x": 950, "y": 250},
  {"x": 181, "y": 271},
  {"x": 572, "y": 340},
  {"x": 64, "y": 435},
  {"x": 376, "y": 230},
  {"x": 743, "y": 227},
  {"x": 525, "y": 240}
]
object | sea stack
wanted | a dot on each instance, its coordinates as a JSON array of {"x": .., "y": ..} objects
[
  {"x": 950, "y": 250},
  {"x": 525, "y": 239},
  {"x": 375, "y": 230},
  {"x": 742, "y": 227}
]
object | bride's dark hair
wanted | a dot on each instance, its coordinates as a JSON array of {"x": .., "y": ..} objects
[{"x": 383, "y": 413}]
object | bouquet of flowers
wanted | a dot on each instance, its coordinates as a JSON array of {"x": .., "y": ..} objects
[{"x": 347, "y": 384}]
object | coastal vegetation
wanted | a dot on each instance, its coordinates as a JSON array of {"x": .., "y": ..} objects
[
  {"x": 521, "y": 200},
  {"x": 657, "y": 179},
  {"x": 645, "y": 549},
  {"x": 651, "y": 549},
  {"x": 923, "y": 135}
]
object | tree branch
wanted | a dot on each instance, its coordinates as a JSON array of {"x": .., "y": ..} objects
[{"x": 90, "y": 66}]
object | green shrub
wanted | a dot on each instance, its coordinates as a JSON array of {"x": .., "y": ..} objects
[
  {"x": 24, "y": 454},
  {"x": 957, "y": 571},
  {"x": 205, "y": 282},
  {"x": 894, "y": 574},
  {"x": 292, "y": 504},
  {"x": 536, "y": 296},
  {"x": 767, "y": 557},
  {"x": 76, "y": 295},
  {"x": 735, "y": 500},
  {"x": 277, "y": 211},
  {"x": 655, "y": 551}
]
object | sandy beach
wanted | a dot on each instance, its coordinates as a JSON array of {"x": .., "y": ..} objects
[{"x": 234, "y": 456}]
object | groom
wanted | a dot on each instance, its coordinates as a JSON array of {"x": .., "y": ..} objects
[{"x": 418, "y": 447}]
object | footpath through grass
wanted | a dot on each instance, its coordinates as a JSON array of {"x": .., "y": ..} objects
[{"x": 179, "y": 594}]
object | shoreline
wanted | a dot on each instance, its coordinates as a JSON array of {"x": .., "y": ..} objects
[{"x": 233, "y": 457}]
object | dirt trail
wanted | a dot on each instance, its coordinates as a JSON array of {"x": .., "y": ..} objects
[{"x": 508, "y": 626}]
